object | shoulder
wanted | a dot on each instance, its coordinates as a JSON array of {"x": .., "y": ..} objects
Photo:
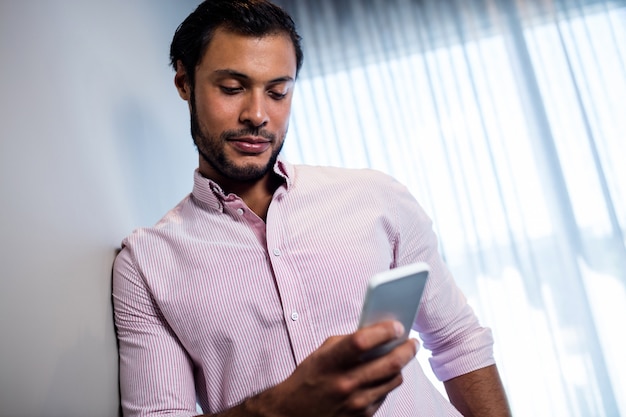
[
  {"x": 173, "y": 223},
  {"x": 329, "y": 176},
  {"x": 368, "y": 188}
]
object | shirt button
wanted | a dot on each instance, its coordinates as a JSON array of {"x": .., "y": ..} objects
[
  {"x": 240, "y": 211},
  {"x": 294, "y": 315},
  {"x": 277, "y": 252}
]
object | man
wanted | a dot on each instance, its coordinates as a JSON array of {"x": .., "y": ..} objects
[{"x": 245, "y": 297}]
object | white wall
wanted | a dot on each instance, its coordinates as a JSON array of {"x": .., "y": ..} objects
[{"x": 93, "y": 142}]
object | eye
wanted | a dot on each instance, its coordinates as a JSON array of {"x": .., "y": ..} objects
[
  {"x": 276, "y": 95},
  {"x": 231, "y": 90}
]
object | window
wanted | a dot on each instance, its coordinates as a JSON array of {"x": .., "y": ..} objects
[{"x": 507, "y": 121}]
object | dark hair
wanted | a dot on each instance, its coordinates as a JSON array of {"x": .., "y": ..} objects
[{"x": 246, "y": 17}]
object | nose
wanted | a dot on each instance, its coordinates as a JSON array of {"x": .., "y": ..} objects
[{"x": 254, "y": 112}]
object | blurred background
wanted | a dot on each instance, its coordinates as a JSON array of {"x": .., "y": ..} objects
[{"x": 506, "y": 119}]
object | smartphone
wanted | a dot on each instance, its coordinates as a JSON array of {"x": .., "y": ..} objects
[{"x": 394, "y": 294}]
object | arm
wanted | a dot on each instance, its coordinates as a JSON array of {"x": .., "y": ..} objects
[
  {"x": 479, "y": 393},
  {"x": 156, "y": 374},
  {"x": 333, "y": 381},
  {"x": 462, "y": 349},
  {"x": 155, "y": 371}
]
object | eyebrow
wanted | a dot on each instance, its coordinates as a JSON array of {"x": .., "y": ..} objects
[{"x": 236, "y": 74}]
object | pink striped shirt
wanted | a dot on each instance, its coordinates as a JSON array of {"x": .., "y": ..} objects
[{"x": 212, "y": 305}]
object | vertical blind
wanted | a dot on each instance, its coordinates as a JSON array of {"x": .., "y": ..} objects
[{"x": 507, "y": 120}]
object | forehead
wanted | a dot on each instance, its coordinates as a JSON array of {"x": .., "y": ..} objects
[{"x": 266, "y": 56}]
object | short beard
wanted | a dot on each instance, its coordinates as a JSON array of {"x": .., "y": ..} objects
[{"x": 211, "y": 149}]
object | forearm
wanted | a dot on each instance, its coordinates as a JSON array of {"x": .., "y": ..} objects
[
  {"x": 248, "y": 408},
  {"x": 333, "y": 380},
  {"x": 479, "y": 393},
  {"x": 260, "y": 405}
]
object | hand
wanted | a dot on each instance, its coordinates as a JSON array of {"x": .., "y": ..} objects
[{"x": 334, "y": 381}]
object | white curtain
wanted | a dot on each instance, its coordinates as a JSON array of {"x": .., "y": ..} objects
[{"x": 507, "y": 120}]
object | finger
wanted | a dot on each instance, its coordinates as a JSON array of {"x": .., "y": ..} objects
[
  {"x": 366, "y": 401},
  {"x": 386, "y": 367},
  {"x": 369, "y": 337},
  {"x": 396, "y": 359},
  {"x": 344, "y": 352}
]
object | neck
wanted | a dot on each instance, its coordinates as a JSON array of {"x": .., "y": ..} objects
[{"x": 257, "y": 194}]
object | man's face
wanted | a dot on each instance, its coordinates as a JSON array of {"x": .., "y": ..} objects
[{"x": 240, "y": 104}]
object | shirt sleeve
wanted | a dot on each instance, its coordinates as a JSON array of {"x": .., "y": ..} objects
[
  {"x": 156, "y": 374},
  {"x": 446, "y": 322}
]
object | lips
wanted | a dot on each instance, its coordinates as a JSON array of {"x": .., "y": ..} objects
[{"x": 250, "y": 145}]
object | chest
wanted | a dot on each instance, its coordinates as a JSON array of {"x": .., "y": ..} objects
[{"x": 298, "y": 279}]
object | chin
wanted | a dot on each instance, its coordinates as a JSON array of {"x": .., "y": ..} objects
[{"x": 246, "y": 172}]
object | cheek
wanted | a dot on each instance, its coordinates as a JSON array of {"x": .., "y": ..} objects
[
  {"x": 216, "y": 112},
  {"x": 280, "y": 114},
  {"x": 215, "y": 117}
]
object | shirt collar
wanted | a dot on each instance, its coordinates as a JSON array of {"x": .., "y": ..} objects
[
  {"x": 285, "y": 170},
  {"x": 210, "y": 193}
]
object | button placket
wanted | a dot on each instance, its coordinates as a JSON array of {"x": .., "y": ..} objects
[{"x": 295, "y": 310}]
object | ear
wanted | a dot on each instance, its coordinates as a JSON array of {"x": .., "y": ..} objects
[{"x": 182, "y": 82}]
